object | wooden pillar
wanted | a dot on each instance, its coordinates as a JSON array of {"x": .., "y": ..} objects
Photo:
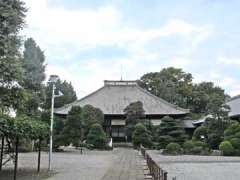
[
  {"x": 1, "y": 155},
  {"x": 16, "y": 158},
  {"x": 39, "y": 155}
]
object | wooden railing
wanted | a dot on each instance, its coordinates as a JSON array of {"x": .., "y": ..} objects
[{"x": 156, "y": 172}]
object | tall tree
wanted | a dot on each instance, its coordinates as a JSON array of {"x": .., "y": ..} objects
[
  {"x": 12, "y": 14},
  {"x": 34, "y": 65},
  {"x": 34, "y": 75},
  {"x": 204, "y": 98},
  {"x": 176, "y": 86},
  {"x": 69, "y": 95},
  {"x": 171, "y": 84}
]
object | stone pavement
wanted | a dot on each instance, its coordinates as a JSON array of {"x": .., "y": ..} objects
[{"x": 126, "y": 166}]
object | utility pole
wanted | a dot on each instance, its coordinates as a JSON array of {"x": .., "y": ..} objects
[{"x": 51, "y": 130}]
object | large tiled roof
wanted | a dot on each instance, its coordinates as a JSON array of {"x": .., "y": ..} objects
[
  {"x": 234, "y": 104},
  {"x": 114, "y": 96}
]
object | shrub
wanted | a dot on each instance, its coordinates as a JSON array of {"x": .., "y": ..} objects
[
  {"x": 188, "y": 147},
  {"x": 199, "y": 132},
  {"x": 214, "y": 140},
  {"x": 97, "y": 137},
  {"x": 196, "y": 148},
  {"x": 173, "y": 148},
  {"x": 226, "y": 148},
  {"x": 141, "y": 136}
]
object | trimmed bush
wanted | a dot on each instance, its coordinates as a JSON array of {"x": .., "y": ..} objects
[
  {"x": 173, "y": 148},
  {"x": 97, "y": 137},
  {"x": 199, "y": 132},
  {"x": 188, "y": 147},
  {"x": 141, "y": 136},
  {"x": 196, "y": 148},
  {"x": 226, "y": 148}
]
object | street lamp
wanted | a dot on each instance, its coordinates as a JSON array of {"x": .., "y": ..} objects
[{"x": 53, "y": 79}]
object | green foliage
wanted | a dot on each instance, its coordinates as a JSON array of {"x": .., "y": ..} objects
[
  {"x": 33, "y": 64},
  {"x": 173, "y": 148},
  {"x": 176, "y": 86},
  {"x": 141, "y": 136},
  {"x": 226, "y": 148},
  {"x": 134, "y": 113},
  {"x": 201, "y": 131},
  {"x": 171, "y": 84},
  {"x": 196, "y": 147},
  {"x": 12, "y": 13},
  {"x": 232, "y": 134},
  {"x": 188, "y": 147},
  {"x": 97, "y": 137},
  {"x": 91, "y": 115},
  {"x": 73, "y": 129},
  {"x": 34, "y": 75},
  {"x": 69, "y": 95},
  {"x": 170, "y": 131},
  {"x": 23, "y": 126}
]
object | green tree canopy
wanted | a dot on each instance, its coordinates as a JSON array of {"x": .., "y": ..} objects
[
  {"x": 97, "y": 137},
  {"x": 91, "y": 115},
  {"x": 134, "y": 113},
  {"x": 171, "y": 84},
  {"x": 176, "y": 86},
  {"x": 73, "y": 129},
  {"x": 141, "y": 136},
  {"x": 170, "y": 131},
  {"x": 12, "y": 14},
  {"x": 34, "y": 75},
  {"x": 69, "y": 95}
]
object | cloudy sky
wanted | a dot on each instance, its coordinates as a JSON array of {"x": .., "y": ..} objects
[{"x": 88, "y": 41}]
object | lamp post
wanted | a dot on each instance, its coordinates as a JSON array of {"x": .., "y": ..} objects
[{"x": 53, "y": 79}]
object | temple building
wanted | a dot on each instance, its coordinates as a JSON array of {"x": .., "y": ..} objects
[
  {"x": 234, "y": 104},
  {"x": 115, "y": 96}
]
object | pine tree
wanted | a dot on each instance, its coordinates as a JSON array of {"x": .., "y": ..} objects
[
  {"x": 141, "y": 136},
  {"x": 97, "y": 136},
  {"x": 73, "y": 129},
  {"x": 170, "y": 131}
]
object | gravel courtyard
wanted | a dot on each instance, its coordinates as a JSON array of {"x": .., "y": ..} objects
[
  {"x": 119, "y": 164},
  {"x": 187, "y": 167}
]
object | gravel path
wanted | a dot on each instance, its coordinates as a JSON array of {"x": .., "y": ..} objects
[
  {"x": 127, "y": 166},
  {"x": 189, "y": 167},
  {"x": 119, "y": 164}
]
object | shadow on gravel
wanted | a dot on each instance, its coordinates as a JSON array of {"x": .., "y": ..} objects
[{"x": 24, "y": 174}]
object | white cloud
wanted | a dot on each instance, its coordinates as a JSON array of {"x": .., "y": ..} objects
[{"x": 62, "y": 33}]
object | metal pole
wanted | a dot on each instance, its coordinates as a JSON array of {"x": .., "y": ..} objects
[{"x": 51, "y": 131}]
